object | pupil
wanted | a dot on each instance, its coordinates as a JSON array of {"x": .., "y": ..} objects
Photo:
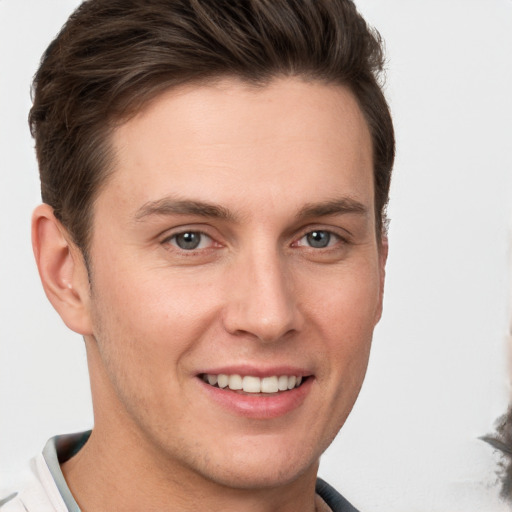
[
  {"x": 318, "y": 239},
  {"x": 188, "y": 240}
]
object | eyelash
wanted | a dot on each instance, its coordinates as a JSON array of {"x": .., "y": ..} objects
[
  {"x": 174, "y": 237},
  {"x": 333, "y": 239}
]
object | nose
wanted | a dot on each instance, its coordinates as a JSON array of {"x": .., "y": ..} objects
[{"x": 261, "y": 300}]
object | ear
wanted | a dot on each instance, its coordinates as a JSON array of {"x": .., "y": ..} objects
[
  {"x": 383, "y": 257},
  {"x": 62, "y": 270}
]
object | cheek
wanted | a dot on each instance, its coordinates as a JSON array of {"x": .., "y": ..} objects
[
  {"x": 344, "y": 310},
  {"x": 150, "y": 322},
  {"x": 345, "y": 302},
  {"x": 146, "y": 332}
]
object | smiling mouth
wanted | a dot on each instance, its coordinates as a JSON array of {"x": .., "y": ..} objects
[{"x": 254, "y": 385}]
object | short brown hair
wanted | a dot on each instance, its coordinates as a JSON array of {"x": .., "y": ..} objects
[{"x": 113, "y": 56}]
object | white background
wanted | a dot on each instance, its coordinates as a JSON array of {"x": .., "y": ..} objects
[{"x": 438, "y": 373}]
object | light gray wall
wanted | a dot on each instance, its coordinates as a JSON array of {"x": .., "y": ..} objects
[{"x": 438, "y": 375}]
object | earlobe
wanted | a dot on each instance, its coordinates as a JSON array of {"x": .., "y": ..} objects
[{"x": 62, "y": 270}]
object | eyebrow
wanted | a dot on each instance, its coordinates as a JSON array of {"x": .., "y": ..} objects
[
  {"x": 333, "y": 207},
  {"x": 170, "y": 206}
]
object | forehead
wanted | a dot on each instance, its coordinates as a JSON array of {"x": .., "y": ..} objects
[{"x": 284, "y": 140}]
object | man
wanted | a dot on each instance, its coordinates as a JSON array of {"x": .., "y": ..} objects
[{"x": 214, "y": 177}]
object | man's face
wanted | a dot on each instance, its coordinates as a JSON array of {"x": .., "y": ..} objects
[{"x": 235, "y": 243}]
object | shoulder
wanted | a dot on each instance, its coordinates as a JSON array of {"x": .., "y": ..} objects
[{"x": 333, "y": 498}]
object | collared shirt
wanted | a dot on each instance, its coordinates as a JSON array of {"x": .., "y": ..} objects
[{"x": 48, "y": 491}]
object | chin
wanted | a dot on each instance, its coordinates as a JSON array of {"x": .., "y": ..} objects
[
  {"x": 262, "y": 476},
  {"x": 261, "y": 463}
]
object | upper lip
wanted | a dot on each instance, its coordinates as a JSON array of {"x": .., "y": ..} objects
[{"x": 257, "y": 371}]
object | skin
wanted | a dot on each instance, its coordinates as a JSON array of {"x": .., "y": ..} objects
[{"x": 278, "y": 162}]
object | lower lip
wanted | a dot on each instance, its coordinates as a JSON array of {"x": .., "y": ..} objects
[{"x": 257, "y": 406}]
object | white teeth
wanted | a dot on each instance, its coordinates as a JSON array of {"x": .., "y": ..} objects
[
  {"x": 282, "y": 383},
  {"x": 235, "y": 382},
  {"x": 222, "y": 380},
  {"x": 251, "y": 384},
  {"x": 269, "y": 385}
]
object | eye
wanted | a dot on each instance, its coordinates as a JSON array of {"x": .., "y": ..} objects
[
  {"x": 190, "y": 240},
  {"x": 318, "y": 239}
]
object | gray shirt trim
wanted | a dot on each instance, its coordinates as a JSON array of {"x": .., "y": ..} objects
[{"x": 57, "y": 450}]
